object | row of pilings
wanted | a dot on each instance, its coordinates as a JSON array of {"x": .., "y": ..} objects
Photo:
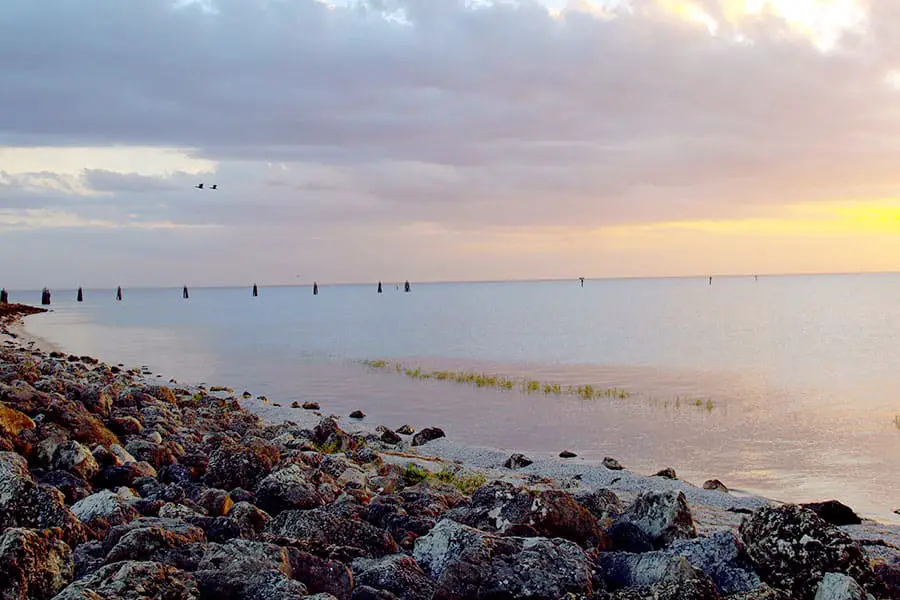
[{"x": 185, "y": 293}]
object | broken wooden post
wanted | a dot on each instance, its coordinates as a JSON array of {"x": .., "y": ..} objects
[
  {"x": 119, "y": 293},
  {"x": 184, "y": 293},
  {"x": 255, "y": 291},
  {"x": 80, "y": 296},
  {"x": 315, "y": 289},
  {"x": 4, "y": 296},
  {"x": 45, "y": 296},
  {"x": 379, "y": 287},
  {"x": 406, "y": 287}
]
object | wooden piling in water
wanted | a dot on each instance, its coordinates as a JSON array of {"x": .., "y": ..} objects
[
  {"x": 119, "y": 293},
  {"x": 184, "y": 293},
  {"x": 379, "y": 287},
  {"x": 255, "y": 291},
  {"x": 80, "y": 296},
  {"x": 406, "y": 287},
  {"x": 45, "y": 296},
  {"x": 4, "y": 296},
  {"x": 315, "y": 289}
]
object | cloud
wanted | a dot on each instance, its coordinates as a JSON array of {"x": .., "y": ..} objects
[{"x": 469, "y": 116}]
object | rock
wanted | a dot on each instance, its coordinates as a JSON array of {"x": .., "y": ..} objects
[
  {"x": 612, "y": 464},
  {"x": 667, "y": 473},
  {"x": 84, "y": 426},
  {"x": 170, "y": 510},
  {"x": 321, "y": 575},
  {"x": 834, "y": 512},
  {"x": 224, "y": 570},
  {"x": 73, "y": 488},
  {"x": 468, "y": 563},
  {"x": 715, "y": 485},
  {"x": 357, "y": 414},
  {"x": 517, "y": 461},
  {"x": 154, "y": 437},
  {"x": 13, "y": 422},
  {"x": 501, "y": 507},
  {"x": 625, "y": 536},
  {"x": 153, "y": 539},
  {"x": 217, "y": 503},
  {"x": 567, "y": 454},
  {"x": 406, "y": 430},
  {"x": 287, "y": 489},
  {"x": 114, "y": 509},
  {"x": 155, "y": 454},
  {"x": 792, "y": 548},
  {"x": 131, "y": 580},
  {"x": 33, "y": 564},
  {"x": 243, "y": 466},
  {"x": 310, "y": 406},
  {"x": 88, "y": 558},
  {"x": 125, "y": 425},
  {"x": 663, "y": 516},
  {"x": 602, "y": 503},
  {"x": 250, "y": 519},
  {"x": 837, "y": 586},
  {"x": 365, "y": 592},
  {"x": 388, "y": 436},
  {"x": 25, "y": 504},
  {"x": 674, "y": 579},
  {"x": 76, "y": 459},
  {"x": 217, "y": 529},
  {"x": 324, "y": 529},
  {"x": 124, "y": 476},
  {"x": 398, "y": 574},
  {"x": 426, "y": 435}
]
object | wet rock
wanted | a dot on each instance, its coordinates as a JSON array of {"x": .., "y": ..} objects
[
  {"x": 153, "y": 539},
  {"x": 324, "y": 529},
  {"x": 132, "y": 580},
  {"x": 612, "y": 464},
  {"x": 113, "y": 508},
  {"x": 834, "y": 512},
  {"x": 357, "y": 414},
  {"x": 310, "y": 406},
  {"x": 33, "y": 564},
  {"x": 567, "y": 454},
  {"x": 793, "y": 548},
  {"x": 217, "y": 503},
  {"x": 715, "y": 485},
  {"x": 250, "y": 519},
  {"x": 517, "y": 461},
  {"x": 388, "y": 436},
  {"x": 427, "y": 435},
  {"x": 501, "y": 507},
  {"x": 295, "y": 404},
  {"x": 406, "y": 430},
  {"x": 320, "y": 575},
  {"x": 663, "y": 516},
  {"x": 398, "y": 574},
  {"x": 73, "y": 488},
  {"x": 287, "y": 489},
  {"x": 241, "y": 466},
  {"x": 604, "y": 504},
  {"x": 76, "y": 459},
  {"x": 667, "y": 473},
  {"x": 468, "y": 563},
  {"x": 25, "y": 504},
  {"x": 837, "y": 586}
]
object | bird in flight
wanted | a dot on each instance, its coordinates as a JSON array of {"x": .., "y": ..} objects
[{"x": 214, "y": 186}]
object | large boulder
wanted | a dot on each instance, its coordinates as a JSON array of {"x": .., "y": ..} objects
[
  {"x": 834, "y": 512},
  {"x": 34, "y": 565},
  {"x": 112, "y": 508},
  {"x": 663, "y": 516},
  {"x": 84, "y": 426},
  {"x": 287, "y": 489},
  {"x": 321, "y": 575},
  {"x": 468, "y": 563},
  {"x": 324, "y": 529},
  {"x": 427, "y": 435},
  {"x": 501, "y": 507},
  {"x": 837, "y": 586},
  {"x": 792, "y": 548},
  {"x": 131, "y": 580},
  {"x": 602, "y": 503},
  {"x": 73, "y": 488},
  {"x": 76, "y": 459},
  {"x": 247, "y": 569},
  {"x": 152, "y": 539},
  {"x": 675, "y": 580},
  {"x": 241, "y": 466},
  {"x": 13, "y": 422},
  {"x": 23, "y": 503},
  {"x": 250, "y": 519},
  {"x": 398, "y": 574}
]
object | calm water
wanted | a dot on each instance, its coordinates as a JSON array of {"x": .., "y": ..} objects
[{"x": 802, "y": 372}]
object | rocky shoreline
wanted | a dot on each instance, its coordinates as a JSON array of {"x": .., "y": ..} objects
[{"x": 113, "y": 486}]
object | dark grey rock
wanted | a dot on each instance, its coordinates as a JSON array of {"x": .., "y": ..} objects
[
  {"x": 833, "y": 512},
  {"x": 427, "y": 435},
  {"x": 398, "y": 574},
  {"x": 324, "y": 529},
  {"x": 132, "y": 580},
  {"x": 33, "y": 564},
  {"x": 663, "y": 516},
  {"x": 517, "y": 461},
  {"x": 287, "y": 489}
]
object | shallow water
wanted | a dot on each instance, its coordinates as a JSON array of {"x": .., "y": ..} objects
[{"x": 800, "y": 371}]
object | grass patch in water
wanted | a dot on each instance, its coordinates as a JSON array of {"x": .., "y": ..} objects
[{"x": 465, "y": 483}]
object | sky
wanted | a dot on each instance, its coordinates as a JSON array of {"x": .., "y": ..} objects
[{"x": 434, "y": 140}]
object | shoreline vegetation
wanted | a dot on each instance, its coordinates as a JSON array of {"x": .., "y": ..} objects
[
  {"x": 527, "y": 385},
  {"x": 115, "y": 487}
]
